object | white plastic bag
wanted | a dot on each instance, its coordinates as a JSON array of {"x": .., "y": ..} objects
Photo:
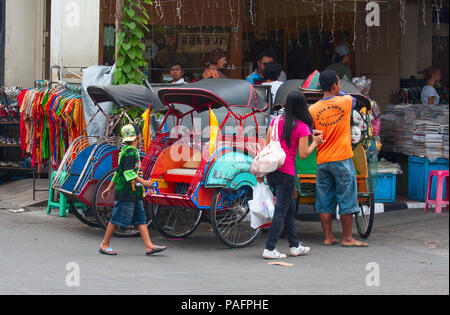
[
  {"x": 272, "y": 157},
  {"x": 262, "y": 207}
]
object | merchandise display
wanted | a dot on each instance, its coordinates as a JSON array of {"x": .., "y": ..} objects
[
  {"x": 364, "y": 84},
  {"x": 51, "y": 119},
  {"x": 416, "y": 130},
  {"x": 10, "y": 142},
  {"x": 385, "y": 167},
  {"x": 410, "y": 92},
  {"x": 9, "y": 109}
]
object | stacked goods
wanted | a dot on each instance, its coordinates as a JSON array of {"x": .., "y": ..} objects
[
  {"x": 386, "y": 167},
  {"x": 416, "y": 130},
  {"x": 445, "y": 139}
]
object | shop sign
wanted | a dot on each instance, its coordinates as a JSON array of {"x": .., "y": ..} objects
[{"x": 198, "y": 42}]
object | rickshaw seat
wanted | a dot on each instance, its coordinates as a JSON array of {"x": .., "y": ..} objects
[
  {"x": 186, "y": 173},
  {"x": 180, "y": 175}
]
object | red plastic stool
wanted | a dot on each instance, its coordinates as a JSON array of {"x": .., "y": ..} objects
[{"x": 440, "y": 175}]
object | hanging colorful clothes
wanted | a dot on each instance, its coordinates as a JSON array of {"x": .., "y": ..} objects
[{"x": 51, "y": 119}]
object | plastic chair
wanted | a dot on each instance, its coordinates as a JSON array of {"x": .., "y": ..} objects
[
  {"x": 439, "y": 202},
  {"x": 61, "y": 204}
]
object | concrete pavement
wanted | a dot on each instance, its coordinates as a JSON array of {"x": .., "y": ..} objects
[{"x": 410, "y": 247}]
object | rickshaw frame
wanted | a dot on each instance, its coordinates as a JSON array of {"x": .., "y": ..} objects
[
  {"x": 366, "y": 196},
  {"x": 200, "y": 191}
]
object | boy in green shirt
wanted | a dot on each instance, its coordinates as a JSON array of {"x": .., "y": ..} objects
[{"x": 129, "y": 192}]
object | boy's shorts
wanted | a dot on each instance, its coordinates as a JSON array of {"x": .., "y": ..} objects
[
  {"x": 336, "y": 185},
  {"x": 127, "y": 213}
]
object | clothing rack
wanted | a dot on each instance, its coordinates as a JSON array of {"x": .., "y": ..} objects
[
  {"x": 41, "y": 83},
  {"x": 66, "y": 69},
  {"x": 73, "y": 87},
  {"x": 36, "y": 175}
]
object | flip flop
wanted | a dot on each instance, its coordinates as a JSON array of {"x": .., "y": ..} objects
[
  {"x": 107, "y": 252},
  {"x": 357, "y": 244},
  {"x": 332, "y": 244},
  {"x": 157, "y": 249}
]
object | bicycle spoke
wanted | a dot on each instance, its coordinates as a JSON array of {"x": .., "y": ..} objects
[{"x": 230, "y": 224}]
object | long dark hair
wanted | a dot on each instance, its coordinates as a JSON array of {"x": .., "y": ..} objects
[{"x": 296, "y": 109}]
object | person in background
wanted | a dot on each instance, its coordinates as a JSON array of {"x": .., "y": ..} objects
[
  {"x": 217, "y": 60},
  {"x": 429, "y": 94},
  {"x": 257, "y": 77},
  {"x": 177, "y": 73},
  {"x": 272, "y": 74},
  {"x": 129, "y": 192},
  {"x": 342, "y": 63},
  {"x": 169, "y": 51},
  {"x": 294, "y": 130},
  {"x": 336, "y": 176}
]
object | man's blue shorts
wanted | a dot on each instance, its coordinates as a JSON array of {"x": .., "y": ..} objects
[
  {"x": 128, "y": 213},
  {"x": 336, "y": 185}
]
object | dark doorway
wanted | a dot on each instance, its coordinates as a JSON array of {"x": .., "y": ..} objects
[
  {"x": 2, "y": 41},
  {"x": 47, "y": 32},
  {"x": 441, "y": 56}
]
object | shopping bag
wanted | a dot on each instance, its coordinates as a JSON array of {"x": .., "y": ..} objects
[
  {"x": 271, "y": 158},
  {"x": 262, "y": 207}
]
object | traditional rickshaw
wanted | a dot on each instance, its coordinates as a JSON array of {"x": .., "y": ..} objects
[
  {"x": 199, "y": 160},
  {"x": 89, "y": 158},
  {"x": 195, "y": 173},
  {"x": 365, "y": 156}
]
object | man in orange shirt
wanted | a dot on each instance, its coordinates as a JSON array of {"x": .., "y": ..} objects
[{"x": 336, "y": 175}]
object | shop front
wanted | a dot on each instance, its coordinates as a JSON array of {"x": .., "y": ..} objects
[
  {"x": 303, "y": 36},
  {"x": 414, "y": 135}
]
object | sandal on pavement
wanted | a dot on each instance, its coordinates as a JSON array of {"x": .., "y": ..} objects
[
  {"x": 357, "y": 244},
  {"x": 335, "y": 242},
  {"x": 107, "y": 252},
  {"x": 157, "y": 249}
]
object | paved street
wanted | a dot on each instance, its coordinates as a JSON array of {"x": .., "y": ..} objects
[{"x": 410, "y": 246}]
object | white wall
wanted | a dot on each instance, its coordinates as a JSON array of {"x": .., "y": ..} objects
[
  {"x": 23, "y": 49},
  {"x": 75, "y": 33}
]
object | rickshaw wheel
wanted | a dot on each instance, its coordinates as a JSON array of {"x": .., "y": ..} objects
[
  {"x": 365, "y": 218},
  {"x": 230, "y": 217},
  {"x": 103, "y": 213},
  {"x": 175, "y": 222},
  {"x": 84, "y": 215}
]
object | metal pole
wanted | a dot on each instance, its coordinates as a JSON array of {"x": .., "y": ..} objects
[{"x": 60, "y": 35}]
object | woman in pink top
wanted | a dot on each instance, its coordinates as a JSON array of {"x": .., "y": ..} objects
[{"x": 294, "y": 129}]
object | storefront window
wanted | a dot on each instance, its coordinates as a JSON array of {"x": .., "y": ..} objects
[
  {"x": 187, "y": 45},
  {"x": 109, "y": 39}
]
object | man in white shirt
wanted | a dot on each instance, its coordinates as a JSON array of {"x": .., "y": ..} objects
[
  {"x": 272, "y": 73},
  {"x": 177, "y": 73}
]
